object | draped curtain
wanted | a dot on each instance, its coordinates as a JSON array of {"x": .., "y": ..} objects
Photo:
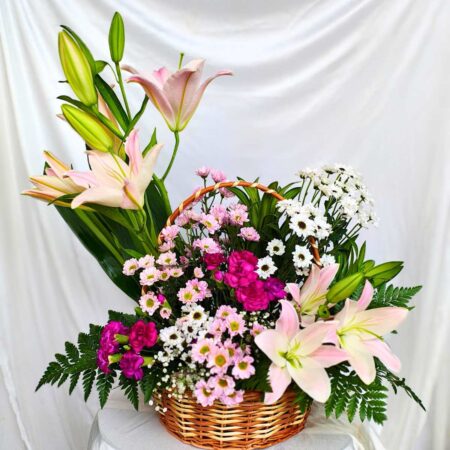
[{"x": 362, "y": 82}]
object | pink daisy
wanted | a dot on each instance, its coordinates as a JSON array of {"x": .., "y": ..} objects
[
  {"x": 232, "y": 399},
  {"x": 210, "y": 223},
  {"x": 204, "y": 393},
  {"x": 218, "y": 360},
  {"x": 149, "y": 276},
  {"x": 257, "y": 329},
  {"x": 165, "y": 313},
  {"x": 201, "y": 350},
  {"x": 167, "y": 259},
  {"x": 235, "y": 324},
  {"x": 176, "y": 272},
  {"x": 170, "y": 233},
  {"x": 146, "y": 261},
  {"x": 188, "y": 295},
  {"x": 207, "y": 245},
  {"x": 130, "y": 266},
  {"x": 198, "y": 272},
  {"x": 224, "y": 311},
  {"x": 249, "y": 234},
  {"x": 222, "y": 384},
  {"x": 149, "y": 303},
  {"x": 243, "y": 368}
]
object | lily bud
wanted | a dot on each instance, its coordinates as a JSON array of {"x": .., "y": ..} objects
[
  {"x": 76, "y": 69},
  {"x": 116, "y": 38},
  {"x": 384, "y": 272},
  {"x": 89, "y": 128},
  {"x": 344, "y": 288}
]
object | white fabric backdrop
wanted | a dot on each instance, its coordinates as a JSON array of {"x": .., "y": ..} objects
[{"x": 360, "y": 82}]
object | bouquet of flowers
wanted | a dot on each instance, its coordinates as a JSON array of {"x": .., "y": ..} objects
[{"x": 243, "y": 289}]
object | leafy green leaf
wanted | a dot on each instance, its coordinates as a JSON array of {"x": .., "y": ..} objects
[
  {"x": 130, "y": 389},
  {"x": 112, "y": 101},
  {"x": 393, "y": 296},
  {"x": 88, "y": 382},
  {"x": 148, "y": 383},
  {"x": 104, "y": 385},
  {"x": 107, "y": 260}
]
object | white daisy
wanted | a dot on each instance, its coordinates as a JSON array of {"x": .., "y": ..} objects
[
  {"x": 323, "y": 228},
  {"x": 302, "y": 257},
  {"x": 327, "y": 260},
  {"x": 171, "y": 336},
  {"x": 276, "y": 247},
  {"x": 266, "y": 267},
  {"x": 304, "y": 272},
  {"x": 301, "y": 225}
]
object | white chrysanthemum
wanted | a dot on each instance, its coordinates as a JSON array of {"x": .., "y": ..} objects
[
  {"x": 290, "y": 207},
  {"x": 171, "y": 336},
  {"x": 327, "y": 260},
  {"x": 322, "y": 228},
  {"x": 349, "y": 206},
  {"x": 266, "y": 267},
  {"x": 301, "y": 256},
  {"x": 276, "y": 247},
  {"x": 303, "y": 272},
  {"x": 301, "y": 225},
  {"x": 198, "y": 316}
]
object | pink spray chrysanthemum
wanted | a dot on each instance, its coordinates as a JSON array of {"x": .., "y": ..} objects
[
  {"x": 219, "y": 360},
  {"x": 188, "y": 295},
  {"x": 149, "y": 276},
  {"x": 203, "y": 171},
  {"x": 149, "y": 303},
  {"x": 130, "y": 266},
  {"x": 204, "y": 393},
  {"x": 243, "y": 368},
  {"x": 146, "y": 261},
  {"x": 223, "y": 385},
  {"x": 207, "y": 245},
  {"x": 235, "y": 324},
  {"x": 198, "y": 272},
  {"x": 202, "y": 349},
  {"x": 232, "y": 399},
  {"x": 249, "y": 234}
]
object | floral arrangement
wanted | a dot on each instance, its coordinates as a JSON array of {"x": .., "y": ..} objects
[{"x": 230, "y": 297}]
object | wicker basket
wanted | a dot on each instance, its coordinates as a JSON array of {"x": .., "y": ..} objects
[{"x": 250, "y": 424}]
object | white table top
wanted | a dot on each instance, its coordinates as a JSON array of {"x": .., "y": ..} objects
[{"x": 122, "y": 429}]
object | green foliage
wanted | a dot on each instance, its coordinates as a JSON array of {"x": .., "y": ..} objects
[
  {"x": 393, "y": 296},
  {"x": 350, "y": 395},
  {"x": 130, "y": 389},
  {"x": 79, "y": 360},
  {"x": 147, "y": 384},
  {"x": 104, "y": 385},
  {"x": 302, "y": 399},
  {"x": 127, "y": 319}
]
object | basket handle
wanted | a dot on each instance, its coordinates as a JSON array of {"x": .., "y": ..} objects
[{"x": 227, "y": 184}]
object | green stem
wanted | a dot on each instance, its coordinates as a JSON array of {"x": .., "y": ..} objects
[
  {"x": 122, "y": 89},
  {"x": 174, "y": 154},
  {"x": 180, "y": 61}
]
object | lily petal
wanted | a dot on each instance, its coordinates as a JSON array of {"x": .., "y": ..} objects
[
  {"x": 328, "y": 355},
  {"x": 312, "y": 337},
  {"x": 272, "y": 343},
  {"x": 279, "y": 380},
  {"x": 366, "y": 296},
  {"x": 133, "y": 152},
  {"x": 383, "y": 352},
  {"x": 381, "y": 321},
  {"x": 294, "y": 290},
  {"x": 148, "y": 167},
  {"x": 99, "y": 195},
  {"x": 190, "y": 108},
  {"x": 360, "y": 358},
  {"x": 85, "y": 179},
  {"x": 288, "y": 323},
  {"x": 312, "y": 378}
]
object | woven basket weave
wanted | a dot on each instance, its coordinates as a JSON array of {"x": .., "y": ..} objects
[{"x": 250, "y": 424}]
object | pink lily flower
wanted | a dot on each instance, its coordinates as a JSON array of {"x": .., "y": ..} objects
[
  {"x": 360, "y": 333},
  {"x": 175, "y": 95},
  {"x": 53, "y": 184},
  {"x": 298, "y": 355},
  {"x": 313, "y": 293},
  {"x": 113, "y": 182}
]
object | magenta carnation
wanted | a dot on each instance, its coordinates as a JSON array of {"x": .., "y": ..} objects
[
  {"x": 108, "y": 343},
  {"x": 275, "y": 288},
  {"x": 213, "y": 260},
  {"x": 102, "y": 361},
  {"x": 253, "y": 297},
  {"x": 131, "y": 365},
  {"x": 143, "y": 335}
]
